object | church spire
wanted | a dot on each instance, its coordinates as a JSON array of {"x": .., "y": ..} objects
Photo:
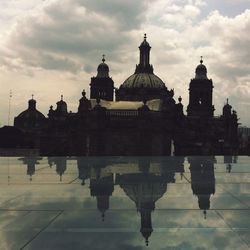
[{"x": 144, "y": 64}]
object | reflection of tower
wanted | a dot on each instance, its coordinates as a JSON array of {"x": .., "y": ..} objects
[
  {"x": 202, "y": 179},
  {"x": 61, "y": 165},
  {"x": 83, "y": 169},
  {"x": 102, "y": 187},
  {"x": 145, "y": 189},
  {"x": 228, "y": 159},
  {"x": 31, "y": 164}
]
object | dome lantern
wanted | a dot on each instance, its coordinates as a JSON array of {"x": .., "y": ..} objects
[{"x": 144, "y": 64}]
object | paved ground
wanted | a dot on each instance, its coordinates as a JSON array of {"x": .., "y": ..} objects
[{"x": 44, "y": 204}]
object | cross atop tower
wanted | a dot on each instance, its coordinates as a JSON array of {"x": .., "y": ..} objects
[
  {"x": 201, "y": 61},
  {"x": 103, "y": 58}
]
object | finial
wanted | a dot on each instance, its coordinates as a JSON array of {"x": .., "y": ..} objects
[
  {"x": 103, "y": 58},
  {"x": 179, "y": 99},
  {"x": 145, "y": 36},
  {"x": 205, "y": 214},
  {"x": 84, "y": 93},
  {"x": 32, "y": 96},
  {"x": 201, "y": 61},
  {"x": 61, "y": 97},
  {"x": 147, "y": 242},
  {"x": 227, "y": 100}
]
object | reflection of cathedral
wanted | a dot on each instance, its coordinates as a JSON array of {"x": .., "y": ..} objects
[
  {"x": 143, "y": 180},
  {"x": 144, "y": 119},
  {"x": 145, "y": 188}
]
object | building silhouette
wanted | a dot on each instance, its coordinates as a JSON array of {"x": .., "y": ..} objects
[{"x": 144, "y": 118}]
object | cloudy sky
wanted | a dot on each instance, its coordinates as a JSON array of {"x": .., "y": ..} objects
[{"x": 53, "y": 47}]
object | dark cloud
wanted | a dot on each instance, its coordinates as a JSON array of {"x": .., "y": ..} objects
[
  {"x": 50, "y": 62},
  {"x": 63, "y": 34},
  {"x": 128, "y": 14}
]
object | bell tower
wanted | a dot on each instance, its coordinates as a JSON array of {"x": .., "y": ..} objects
[
  {"x": 102, "y": 86},
  {"x": 201, "y": 93}
]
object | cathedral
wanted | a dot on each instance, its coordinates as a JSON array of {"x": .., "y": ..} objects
[{"x": 141, "y": 118}]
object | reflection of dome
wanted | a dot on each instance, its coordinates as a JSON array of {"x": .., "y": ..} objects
[
  {"x": 145, "y": 80},
  {"x": 144, "y": 192},
  {"x": 201, "y": 71}
]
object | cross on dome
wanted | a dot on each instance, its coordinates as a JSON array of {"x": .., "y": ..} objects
[{"x": 103, "y": 58}]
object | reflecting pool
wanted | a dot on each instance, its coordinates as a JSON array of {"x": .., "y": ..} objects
[{"x": 198, "y": 202}]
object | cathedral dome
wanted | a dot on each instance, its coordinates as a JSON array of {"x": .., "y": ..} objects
[
  {"x": 31, "y": 112},
  {"x": 145, "y": 80},
  {"x": 31, "y": 118},
  {"x": 144, "y": 76},
  {"x": 143, "y": 84}
]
